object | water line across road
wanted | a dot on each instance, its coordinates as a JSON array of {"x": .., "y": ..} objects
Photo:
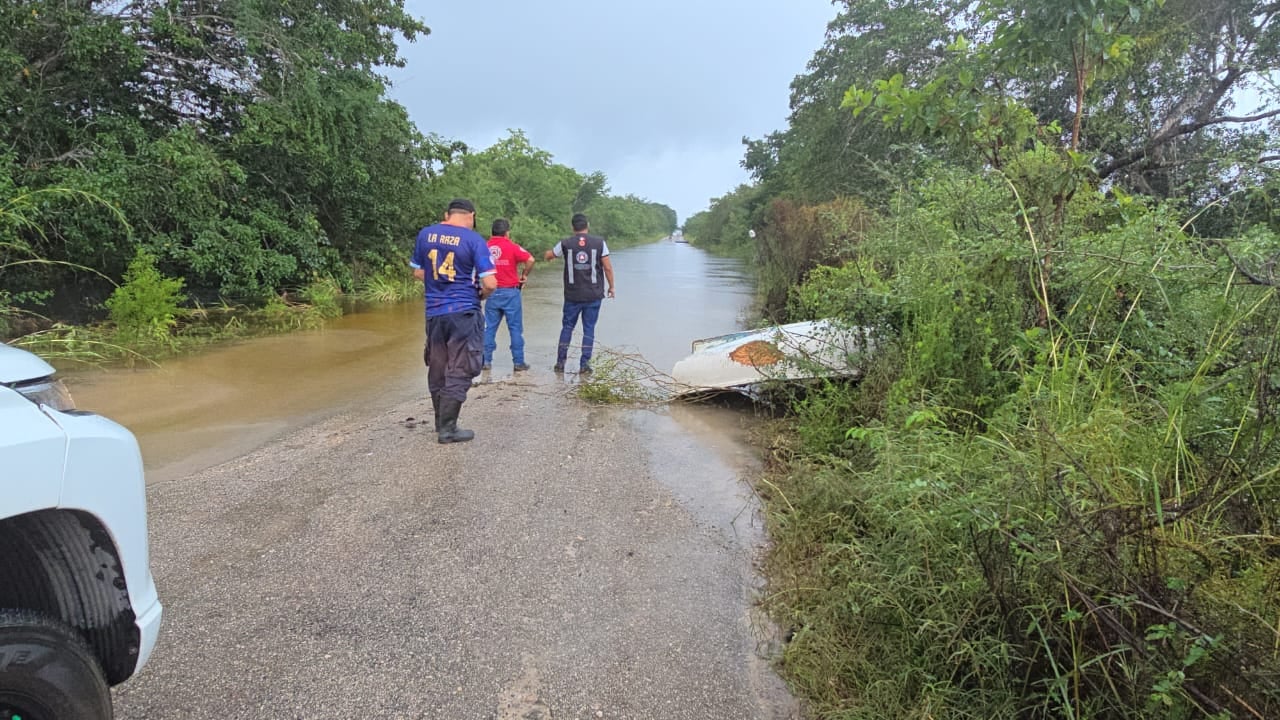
[{"x": 204, "y": 409}]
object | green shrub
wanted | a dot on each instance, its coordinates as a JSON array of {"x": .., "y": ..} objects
[{"x": 145, "y": 307}]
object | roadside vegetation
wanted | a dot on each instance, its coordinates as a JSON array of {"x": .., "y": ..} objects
[
  {"x": 175, "y": 173},
  {"x": 1055, "y": 491},
  {"x": 623, "y": 378}
]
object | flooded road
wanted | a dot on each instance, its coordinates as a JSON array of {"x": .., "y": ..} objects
[
  {"x": 575, "y": 561},
  {"x": 196, "y": 412}
]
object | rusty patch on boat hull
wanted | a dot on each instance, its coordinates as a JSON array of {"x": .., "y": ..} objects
[{"x": 757, "y": 353}]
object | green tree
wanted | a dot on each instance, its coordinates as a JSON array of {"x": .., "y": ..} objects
[
  {"x": 824, "y": 152},
  {"x": 593, "y": 187},
  {"x": 726, "y": 225},
  {"x": 1088, "y": 38},
  {"x": 249, "y": 142},
  {"x": 1152, "y": 85},
  {"x": 523, "y": 183}
]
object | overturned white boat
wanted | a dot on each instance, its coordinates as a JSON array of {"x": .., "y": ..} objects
[{"x": 798, "y": 351}]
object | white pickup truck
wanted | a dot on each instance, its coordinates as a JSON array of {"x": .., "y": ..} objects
[{"x": 78, "y": 607}]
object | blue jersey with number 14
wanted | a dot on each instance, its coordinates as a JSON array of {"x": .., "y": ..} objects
[{"x": 453, "y": 259}]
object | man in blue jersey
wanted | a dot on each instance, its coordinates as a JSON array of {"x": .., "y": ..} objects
[{"x": 452, "y": 261}]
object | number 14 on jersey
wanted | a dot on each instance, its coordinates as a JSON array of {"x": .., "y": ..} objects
[{"x": 442, "y": 266}]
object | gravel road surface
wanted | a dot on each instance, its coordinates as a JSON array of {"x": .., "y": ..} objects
[{"x": 570, "y": 563}]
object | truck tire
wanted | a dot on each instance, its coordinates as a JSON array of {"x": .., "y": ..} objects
[{"x": 47, "y": 671}]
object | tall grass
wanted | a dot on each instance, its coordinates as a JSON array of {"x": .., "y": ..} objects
[
  {"x": 390, "y": 285},
  {"x": 20, "y": 221},
  {"x": 69, "y": 344},
  {"x": 324, "y": 296}
]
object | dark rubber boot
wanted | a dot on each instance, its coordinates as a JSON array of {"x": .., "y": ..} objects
[{"x": 449, "y": 432}]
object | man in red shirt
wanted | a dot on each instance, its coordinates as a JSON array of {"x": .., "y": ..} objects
[{"x": 514, "y": 264}]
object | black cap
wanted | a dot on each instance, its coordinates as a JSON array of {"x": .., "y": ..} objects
[{"x": 461, "y": 205}]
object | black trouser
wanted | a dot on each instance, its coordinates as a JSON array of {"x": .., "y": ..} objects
[{"x": 455, "y": 352}]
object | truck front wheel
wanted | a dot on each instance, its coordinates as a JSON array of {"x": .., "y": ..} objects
[{"x": 47, "y": 671}]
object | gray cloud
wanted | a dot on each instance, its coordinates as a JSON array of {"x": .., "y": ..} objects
[{"x": 655, "y": 94}]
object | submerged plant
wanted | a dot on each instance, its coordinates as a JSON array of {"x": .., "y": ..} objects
[
  {"x": 324, "y": 295},
  {"x": 93, "y": 346}
]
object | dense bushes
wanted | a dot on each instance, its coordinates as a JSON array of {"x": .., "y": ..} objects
[
  {"x": 1008, "y": 520},
  {"x": 792, "y": 238}
]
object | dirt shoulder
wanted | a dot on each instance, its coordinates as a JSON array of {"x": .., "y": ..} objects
[{"x": 572, "y": 562}]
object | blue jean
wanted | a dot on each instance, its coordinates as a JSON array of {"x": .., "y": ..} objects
[
  {"x": 504, "y": 302},
  {"x": 590, "y": 312}
]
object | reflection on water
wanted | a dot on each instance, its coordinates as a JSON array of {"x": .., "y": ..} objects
[
  {"x": 670, "y": 294},
  {"x": 205, "y": 409}
]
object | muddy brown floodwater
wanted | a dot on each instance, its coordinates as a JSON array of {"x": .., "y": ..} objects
[{"x": 199, "y": 411}]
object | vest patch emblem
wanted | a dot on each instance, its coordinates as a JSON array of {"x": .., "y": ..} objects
[{"x": 581, "y": 258}]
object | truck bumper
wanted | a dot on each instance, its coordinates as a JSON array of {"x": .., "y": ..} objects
[{"x": 148, "y": 623}]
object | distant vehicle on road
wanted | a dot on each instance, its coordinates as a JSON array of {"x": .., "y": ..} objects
[{"x": 78, "y": 606}]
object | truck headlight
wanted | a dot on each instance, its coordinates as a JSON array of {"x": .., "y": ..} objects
[{"x": 46, "y": 391}]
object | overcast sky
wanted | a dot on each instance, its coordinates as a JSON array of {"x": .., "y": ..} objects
[{"x": 657, "y": 94}]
